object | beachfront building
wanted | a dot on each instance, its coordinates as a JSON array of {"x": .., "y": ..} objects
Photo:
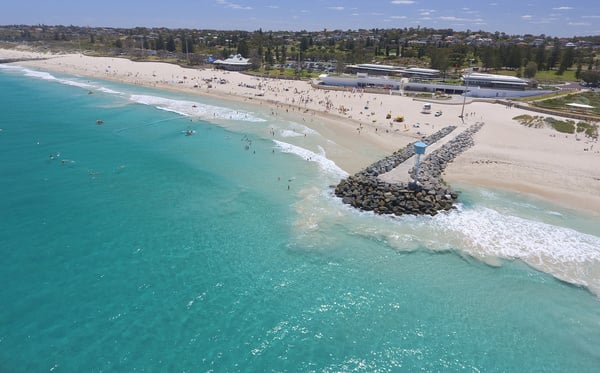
[
  {"x": 494, "y": 81},
  {"x": 389, "y": 70},
  {"x": 420, "y": 73},
  {"x": 374, "y": 69},
  {"x": 361, "y": 80},
  {"x": 233, "y": 63}
]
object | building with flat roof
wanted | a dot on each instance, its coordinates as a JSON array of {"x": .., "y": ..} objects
[
  {"x": 418, "y": 72},
  {"x": 494, "y": 81},
  {"x": 374, "y": 69},
  {"x": 233, "y": 63},
  {"x": 389, "y": 70},
  {"x": 361, "y": 80}
]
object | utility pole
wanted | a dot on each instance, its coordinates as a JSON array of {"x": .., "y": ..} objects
[
  {"x": 186, "y": 51},
  {"x": 462, "y": 117}
]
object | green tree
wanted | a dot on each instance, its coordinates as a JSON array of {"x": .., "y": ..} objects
[
  {"x": 513, "y": 57},
  {"x": 303, "y": 44},
  {"x": 554, "y": 56},
  {"x": 540, "y": 56},
  {"x": 578, "y": 71},
  {"x": 489, "y": 57},
  {"x": 269, "y": 59},
  {"x": 530, "y": 70},
  {"x": 590, "y": 76},
  {"x": 457, "y": 55},
  {"x": 566, "y": 61},
  {"x": 439, "y": 58},
  {"x": 242, "y": 48},
  {"x": 171, "y": 47},
  {"x": 160, "y": 42},
  {"x": 283, "y": 55}
]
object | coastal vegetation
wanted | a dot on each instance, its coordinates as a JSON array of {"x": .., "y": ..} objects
[
  {"x": 589, "y": 100},
  {"x": 563, "y": 126},
  {"x": 303, "y": 53}
]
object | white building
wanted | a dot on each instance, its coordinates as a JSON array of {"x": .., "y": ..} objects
[
  {"x": 494, "y": 81},
  {"x": 233, "y": 63}
]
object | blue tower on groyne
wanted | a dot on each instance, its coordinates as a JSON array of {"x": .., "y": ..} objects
[{"x": 420, "y": 147}]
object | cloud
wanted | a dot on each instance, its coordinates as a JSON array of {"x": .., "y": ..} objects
[
  {"x": 563, "y": 8},
  {"x": 526, "y": 17},
  {"x": 230, "y": 5},
  {"x": 579, "y": 24},
  {"x": 402, "y": 2},
  {"x": 336, "y": 8},
  {"x": 453, "y": 19}
]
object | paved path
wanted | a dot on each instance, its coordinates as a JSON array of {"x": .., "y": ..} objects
[{"x": 400, "y": 173}]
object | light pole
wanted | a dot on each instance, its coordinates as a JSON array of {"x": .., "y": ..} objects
[{"x": 462, "y": 113}]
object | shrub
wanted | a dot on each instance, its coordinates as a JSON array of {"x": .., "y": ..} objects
[{"x": 567, "y": 126}]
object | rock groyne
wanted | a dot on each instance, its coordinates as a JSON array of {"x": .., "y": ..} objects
[{"x": 364, "y": 190}]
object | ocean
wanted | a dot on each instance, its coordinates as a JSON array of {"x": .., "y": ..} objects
[{"x": 129, "y": 245}]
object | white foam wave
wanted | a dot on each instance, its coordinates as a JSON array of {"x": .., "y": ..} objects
[
  {"x": 110, "y": 91},
  {"x": 10, "y": 67},
  {"x": 75, "y": 83},
  {"x": 48, "y": 76},
  {"x": 513, "y": 237},
  {"x": 190, "y": 108},
  {"x": 563, "y": 252},
  {"x": 325, "y": 164},
  {"x": 39, "y": 74},
  {"x": 322, "y": 151},
  {"x": 290, "y": 133}
]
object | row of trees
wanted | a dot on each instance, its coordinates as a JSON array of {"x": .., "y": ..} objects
[{"x": 407, "y": 46}]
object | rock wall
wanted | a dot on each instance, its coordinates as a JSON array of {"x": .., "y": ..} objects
[{"x": 366, "y": 191}]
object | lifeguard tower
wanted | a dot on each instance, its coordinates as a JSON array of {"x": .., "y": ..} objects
[{"x": 419, "y": 150}]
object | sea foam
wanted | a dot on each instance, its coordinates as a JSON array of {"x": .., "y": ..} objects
[
  {"x": 195, "y": 109},
  {"x": 563, "y": 252},
  {"x": 88, "y": 85},
  {"x": 181, "y": 107},
  {"x": 326, "y": 165}
]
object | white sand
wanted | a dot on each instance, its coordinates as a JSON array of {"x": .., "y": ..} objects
[{"x": 506, "y": 155}]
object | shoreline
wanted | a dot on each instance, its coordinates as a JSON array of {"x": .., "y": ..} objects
[{"x": 539, "y": 162}]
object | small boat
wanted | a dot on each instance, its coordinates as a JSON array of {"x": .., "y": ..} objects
[{"x": 99, "y": 121}]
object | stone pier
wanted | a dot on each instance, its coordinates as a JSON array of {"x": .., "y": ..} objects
[{"x": 368, "y": 191}]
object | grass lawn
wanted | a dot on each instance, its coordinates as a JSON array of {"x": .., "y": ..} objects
[{"x": 545, "y": 76}]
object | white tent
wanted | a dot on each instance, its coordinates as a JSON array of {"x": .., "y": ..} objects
[{"x": 580, "y": 106}]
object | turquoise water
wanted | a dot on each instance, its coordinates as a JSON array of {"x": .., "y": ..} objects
[{"x": 130, "y": 246}]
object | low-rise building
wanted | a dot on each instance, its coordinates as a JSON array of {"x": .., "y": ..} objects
[{"x": 233, "y": 63}]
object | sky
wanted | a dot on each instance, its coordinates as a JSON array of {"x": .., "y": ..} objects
[{"x": 561, "y": 18}]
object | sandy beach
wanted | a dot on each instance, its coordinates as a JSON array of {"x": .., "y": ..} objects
[{"x": 563, "y": 169}]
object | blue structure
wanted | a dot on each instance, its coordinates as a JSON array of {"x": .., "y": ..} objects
[{"x": 419, "y": 150}]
